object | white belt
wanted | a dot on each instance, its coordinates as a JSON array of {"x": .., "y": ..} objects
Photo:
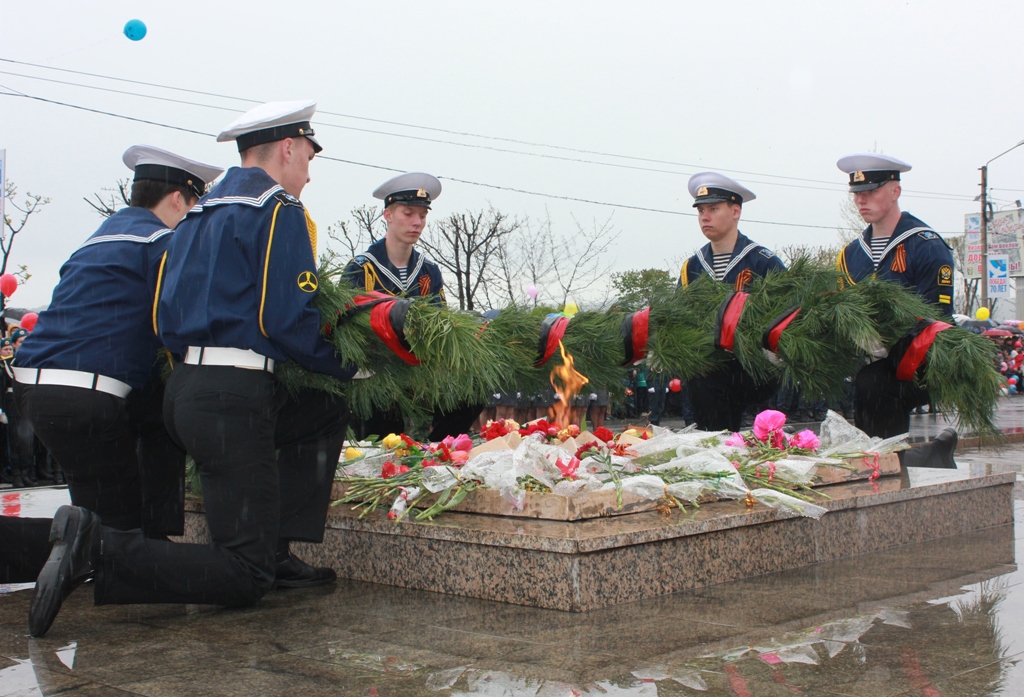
[
  {"x": 235, "y": 358},
  {"x": 72, "y": 378}
]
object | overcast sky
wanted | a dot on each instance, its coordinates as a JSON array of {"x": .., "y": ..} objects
[{"x": 771, "y": 93}]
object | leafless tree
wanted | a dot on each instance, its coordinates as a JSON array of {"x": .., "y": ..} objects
[
  {"x": 967, "y": 298},
  {"x": 32, "y": 204},
  {"x": 113, "y": 200},
  {"x": 852, "y": 224},
  {"x": 464, "y": 245},
  {"x": 355, "y": 235},
  {"x": 819, "y": 255},
  {"x": 579, "y": 260}
]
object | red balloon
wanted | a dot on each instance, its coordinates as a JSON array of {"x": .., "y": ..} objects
[
  {"x": 28, "y": 321},
  {"x": 8, "y": 284},
  {"x": 675, "y": 384}
]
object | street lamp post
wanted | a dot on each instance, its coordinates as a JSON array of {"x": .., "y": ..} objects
[{"x": 984, "y": 223}]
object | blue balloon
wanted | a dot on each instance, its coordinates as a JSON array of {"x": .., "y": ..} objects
[{"x": 135, "y": 29}]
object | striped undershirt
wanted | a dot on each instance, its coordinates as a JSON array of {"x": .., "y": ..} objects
[
  {"x": 718, "y": 264},
  {"x": 403, "y": 273},
  {"x": 878, "y": 245}
]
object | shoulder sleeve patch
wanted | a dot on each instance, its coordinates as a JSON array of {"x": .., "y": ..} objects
[
  {"x": 287, "y": 199},
  {"x": 945, "y": 275},
  {"x": 765, "y": 252},
  {"x": 928, "y": 235}
]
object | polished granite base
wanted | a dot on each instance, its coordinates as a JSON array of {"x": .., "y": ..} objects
[{"x": 585, "y": 565}]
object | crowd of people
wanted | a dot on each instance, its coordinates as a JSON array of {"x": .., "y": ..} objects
[{"x": 212, "y": 289}]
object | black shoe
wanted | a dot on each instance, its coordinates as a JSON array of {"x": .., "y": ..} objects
[
  {"x": 295, "y": 573},
  {"x": 73, "y": 533},
  {"x": 937, "y": 453}
]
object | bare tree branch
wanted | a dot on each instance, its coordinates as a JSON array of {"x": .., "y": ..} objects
[
  {"x": 353, "y": 236},
  {"x": 116, "y": 199}
]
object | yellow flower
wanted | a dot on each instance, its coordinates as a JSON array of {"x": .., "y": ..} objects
[
  {"x": 391, "y": 441},
  {"x": 351, "y": 453}
]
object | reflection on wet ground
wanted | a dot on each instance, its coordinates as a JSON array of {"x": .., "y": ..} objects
[{"x": 937, "y": 618}]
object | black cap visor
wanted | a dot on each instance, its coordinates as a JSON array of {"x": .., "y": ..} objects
[
  {"x": 270, "y": 135},
  {"x": 171, "y": 175},
  {"x": 413, "y": 197},
  {"x": 712, "y": 195},
  {"x": 869, "y": 181}
]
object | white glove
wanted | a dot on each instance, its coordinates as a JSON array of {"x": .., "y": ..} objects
[
  {"x": 593, "y": 396},
  {"x": 362, "y": 375},
  {"x": 496, "y": 395},
  {"x": 3, "y": 418},
  {"x": 651, "y": 390}
]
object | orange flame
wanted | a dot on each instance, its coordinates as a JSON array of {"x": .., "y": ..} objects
[{"x": 571, "y": 381}]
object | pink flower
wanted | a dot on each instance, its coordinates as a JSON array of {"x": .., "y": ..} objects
[
  {"x": 806, "y": 440},
  {"x": 448, "y": 442},
  {"x": 463, "y": 443},
  {"x": 768, "y": 427},
  {"x": 735, "y": 441},
  {"x": 460, "y": 457}
]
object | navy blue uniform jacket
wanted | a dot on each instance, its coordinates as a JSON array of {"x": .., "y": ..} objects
[
  {"x": 749, "y": 259},
  {"x": 241, "y": 273},
  {"x": 372, "y": 270},
  {"x": 100, "y": 319},
  {"x": 916, "y": 257}
]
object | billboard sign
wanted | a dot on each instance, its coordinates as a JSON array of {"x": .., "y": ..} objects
[
  {"x": 1005, "y": 237},
  {"x": 998, "y": 276}
]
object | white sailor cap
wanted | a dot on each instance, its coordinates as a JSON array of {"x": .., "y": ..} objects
[
  {"x": 272, "y": 121},
  {"x": 869, "y": 170},
  {"x": 712, "y": 187},
  {"x": 159, "y": 165},
  {"x": 410, "y": 189}
]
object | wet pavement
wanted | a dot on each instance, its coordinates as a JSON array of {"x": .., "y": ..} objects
[{"x": 940, "y": 618}]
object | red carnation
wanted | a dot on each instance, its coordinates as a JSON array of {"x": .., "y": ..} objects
[
  {"x": 390, "y": 469},
  {"x": 586, "y": 448},
  {"x": 605, "y": 435}
]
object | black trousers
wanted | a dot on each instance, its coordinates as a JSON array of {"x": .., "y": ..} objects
[
  {"x": 720, "y": 398},
  {"x": 881, "y": 403},
  {"x": 24, "y": 548},
  {"x": 119, "y": 461},
  {"x": 267, "y": 463}
]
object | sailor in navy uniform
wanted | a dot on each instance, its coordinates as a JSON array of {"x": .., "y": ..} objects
[
  {"x": 394, "y": 266},
  {"x": 729, "y": 256},
  {"x": 87, "y": 377},
  {"x": 235, "y": 297},
  {"x": 899, "y": 247},
  {"x": 720, "y": 398}
]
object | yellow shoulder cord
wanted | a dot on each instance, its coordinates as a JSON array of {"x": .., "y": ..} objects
[
  {"x": 266, "y": 267},
  {"x": 159, "y": 285},
  {"x": 684, "y": 274},
  {"x": 842, "y": 268},
  {"x": 311, "y": 229}
]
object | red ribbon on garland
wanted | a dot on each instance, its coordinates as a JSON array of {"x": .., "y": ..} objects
[
  {"x": 771, "y": 336},
  {"x": 728, "y": 317},
  {"x": 635, "y": 332},
  {"x": 924, "y": 335},
  {"x": 552, "y": 329},
  {"x": 387, "y": 320}
]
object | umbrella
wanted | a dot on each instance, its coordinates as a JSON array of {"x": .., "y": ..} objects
[
  {"x": 983, "y": 323},
  {"x": 996, "y": 333}
]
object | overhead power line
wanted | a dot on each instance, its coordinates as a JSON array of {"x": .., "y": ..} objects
[
  {"x": 828, "y": 185},
  {"x": 11, "y": 92}
]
